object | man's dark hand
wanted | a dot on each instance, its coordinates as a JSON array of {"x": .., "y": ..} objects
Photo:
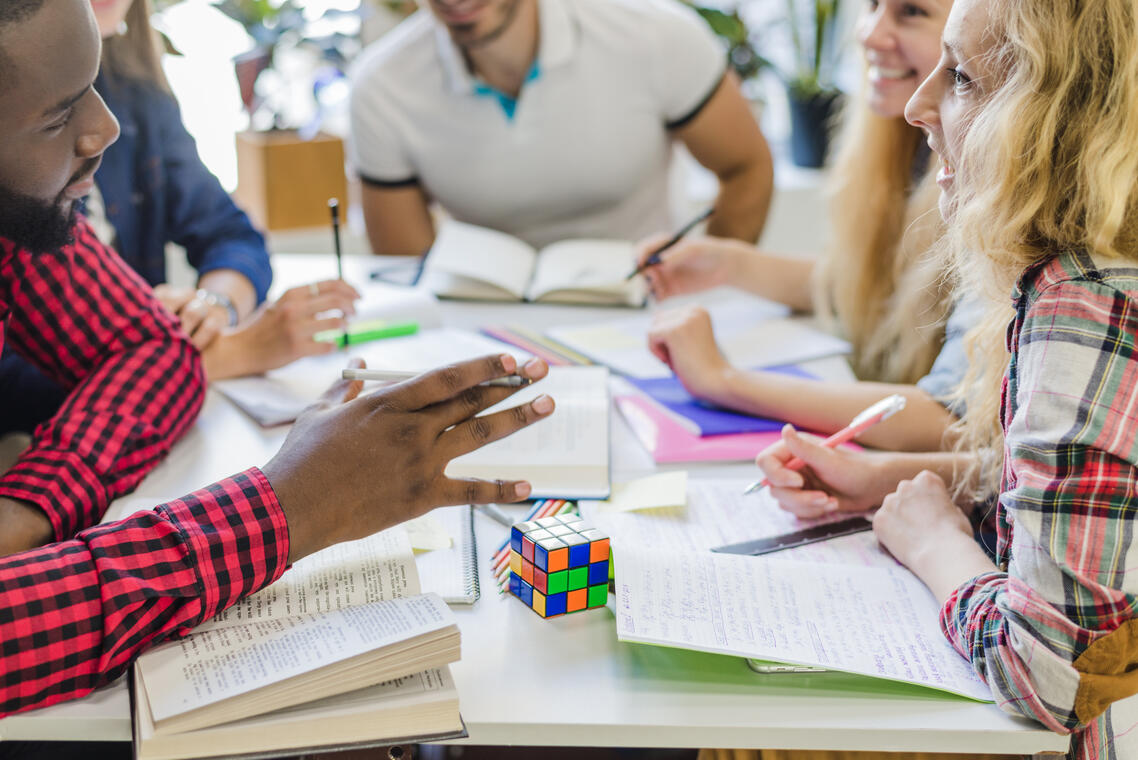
[{"x": 354, "y": 465}]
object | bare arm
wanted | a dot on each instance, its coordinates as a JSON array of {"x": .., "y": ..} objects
[
  {"x": 725, "y": 138},
  {"x": 684, "y": 340},
  {"x": 699, "y": 263},
  {"x": 398, "y": 220}
]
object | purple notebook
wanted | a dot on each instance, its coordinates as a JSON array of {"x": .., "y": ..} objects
[{"x": 709, "y": 418}]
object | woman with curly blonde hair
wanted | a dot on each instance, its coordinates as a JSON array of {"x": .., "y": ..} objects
[
  {"x": 1034, "y": 113},
  {"x": 876, "y": 284}
]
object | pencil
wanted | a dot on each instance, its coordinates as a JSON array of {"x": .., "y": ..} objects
[
  {"x": 395, "y": 376},
  {"x": 654, "y": 259}
]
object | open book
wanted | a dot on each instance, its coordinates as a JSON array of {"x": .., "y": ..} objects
[
  {"x": 566, "y": 455},
  {"x": 482, "y": 264},
  {"x": 341, "y": 650}
]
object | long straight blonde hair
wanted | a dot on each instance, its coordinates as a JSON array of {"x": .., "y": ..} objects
[
  {"x": 1049, "y": 164},
  {"x": 878, "y": 283},
  {"x": 136, "y": 53}
]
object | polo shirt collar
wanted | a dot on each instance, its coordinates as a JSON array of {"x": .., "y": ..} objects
[{"x": 558, "y": 42}]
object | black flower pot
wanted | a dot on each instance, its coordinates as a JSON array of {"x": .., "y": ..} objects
[{"x": 811, "y": 115}]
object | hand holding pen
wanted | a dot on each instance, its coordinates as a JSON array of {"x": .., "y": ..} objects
[
  {"x": 874, "y": 415},
  {"x": 654, "y": 258}
]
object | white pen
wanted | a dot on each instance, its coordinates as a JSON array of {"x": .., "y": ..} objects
[
  {"x": 395, "y": 376},
  {"x": 882, "y": 410}
]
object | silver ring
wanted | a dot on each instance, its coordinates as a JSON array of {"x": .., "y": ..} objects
[{"x": 314, "y": 288}]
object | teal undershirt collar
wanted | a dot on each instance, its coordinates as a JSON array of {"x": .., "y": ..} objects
[{"x": 509, "y": 105}]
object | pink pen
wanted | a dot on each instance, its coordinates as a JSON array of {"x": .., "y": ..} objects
[{"x": 882, "y": 410}]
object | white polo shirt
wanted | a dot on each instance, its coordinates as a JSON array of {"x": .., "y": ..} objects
[{"x": 587, "y": 150}]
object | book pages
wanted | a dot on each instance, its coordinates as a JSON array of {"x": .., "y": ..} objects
[
  {"x": 352, "y": 573},
  {"x": 214, "y": 665},
  {"x": 467, "y": 261},
  {"x": 565, "y": 454},
  {"x": 587, "y": 271}
]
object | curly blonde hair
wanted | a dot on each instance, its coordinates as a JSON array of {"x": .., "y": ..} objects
[
  {"x": 1049, "y": 164},
  {"x": 878, "y": 284}
]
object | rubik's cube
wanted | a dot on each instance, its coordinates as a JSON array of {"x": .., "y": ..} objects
[{"x": 559, "y": 565}]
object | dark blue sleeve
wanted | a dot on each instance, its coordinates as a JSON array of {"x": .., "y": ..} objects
[{"x": 202, "y": 218}]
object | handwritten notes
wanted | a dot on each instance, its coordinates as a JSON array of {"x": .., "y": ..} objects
[
  {"x": 717, "y": 513},
  {"x": 875, "y": 621}
]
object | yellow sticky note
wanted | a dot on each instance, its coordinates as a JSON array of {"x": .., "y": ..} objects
[
  {"x": 427, "y": 534},
  {"x": 668, "y": 489}
]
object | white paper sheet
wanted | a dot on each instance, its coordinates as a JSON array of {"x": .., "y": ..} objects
[
  {"x": 751, "y": 332},
  {"x": 870, "y": 620}
]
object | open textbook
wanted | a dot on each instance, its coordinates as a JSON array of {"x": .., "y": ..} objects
[
  {"x": 341, "y": 650},
  {"x": 751, "y": 332},
  {"x": 483, "y": 264},
  {"x": 843, "y": 604},
  {"x": 565, "y": 455}
]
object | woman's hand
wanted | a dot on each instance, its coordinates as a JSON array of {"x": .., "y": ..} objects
[
  {"x": 691, "y": 265},
  {"x": 918, "y": 516},
  {"x": 832, "y": 480},
  {"x": 203, "y": 322},
  {"x": 282, "y": 332},
  {"x": 683, "y": 339}
]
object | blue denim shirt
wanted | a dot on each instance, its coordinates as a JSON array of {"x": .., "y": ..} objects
[{"x": 156, "y": 190}]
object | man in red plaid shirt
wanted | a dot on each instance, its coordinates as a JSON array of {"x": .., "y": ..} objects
[{"x": 79, "y": 601}]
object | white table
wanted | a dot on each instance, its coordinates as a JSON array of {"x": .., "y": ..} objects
[{"x": 568, "y": 681}]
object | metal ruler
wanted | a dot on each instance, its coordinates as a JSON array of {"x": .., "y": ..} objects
[{"x": 810, "y": 535}]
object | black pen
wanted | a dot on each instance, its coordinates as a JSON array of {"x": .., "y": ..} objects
[
  {"x": 334, "y": 207},
  {"x": 655, "y": 257}
]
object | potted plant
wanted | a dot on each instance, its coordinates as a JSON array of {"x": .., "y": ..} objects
[
  {"x": 287, "y": 166},
  {"x": 809, "y": 74},
  {"x": 810, "y": 88}
]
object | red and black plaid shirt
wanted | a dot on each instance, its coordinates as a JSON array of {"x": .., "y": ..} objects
[{"x": 74, "y": 614}]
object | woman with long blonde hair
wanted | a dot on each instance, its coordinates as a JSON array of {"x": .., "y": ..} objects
[
  {"x": 876, "y": 283},
  {"x": 1034, "y": 113}
]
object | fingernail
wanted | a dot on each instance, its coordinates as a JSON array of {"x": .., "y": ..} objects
[
  {"x": 788, "y": 429},
  {"x": 831, "y": 505},
  {"x": 543, "y": 404},
  {"x": 532, "y": 364},
  {"x": 521, "y": 490},
  {"x": 509, "y": 363}
]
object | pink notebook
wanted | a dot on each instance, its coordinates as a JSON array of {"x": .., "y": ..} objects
[{"x": 668, "y": 441}]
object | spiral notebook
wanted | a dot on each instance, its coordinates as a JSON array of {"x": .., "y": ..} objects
[{"x": 452, "y": 573}]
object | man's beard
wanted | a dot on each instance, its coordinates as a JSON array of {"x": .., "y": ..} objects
[{"x": 40, "y": 226}]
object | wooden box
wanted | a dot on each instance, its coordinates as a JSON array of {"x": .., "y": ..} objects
[{"x": 284, "y": 182}]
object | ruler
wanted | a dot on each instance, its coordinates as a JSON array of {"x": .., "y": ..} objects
[{"x": 810, "y": 535}]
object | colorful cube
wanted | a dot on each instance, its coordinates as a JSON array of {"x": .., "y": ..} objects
[{"x": 559, "y": 565}]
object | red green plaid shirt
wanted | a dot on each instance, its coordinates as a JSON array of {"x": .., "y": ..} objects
[
  {"x": 74, "y": 614},
  {"x": 1069, "y": 504}
]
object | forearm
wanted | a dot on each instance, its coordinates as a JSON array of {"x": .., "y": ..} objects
[
  {"x": 233, "y": 285},
  {"x": 784, "y": 279},
  {"x": 74, "y": 615},
  {"x": 22, "y": 526},
  {"x": 744, "y": 199},
  {"x": 827, "y": 407}
]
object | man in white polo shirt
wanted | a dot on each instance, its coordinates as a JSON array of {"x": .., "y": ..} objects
[{"x": 548, "y": 120}]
